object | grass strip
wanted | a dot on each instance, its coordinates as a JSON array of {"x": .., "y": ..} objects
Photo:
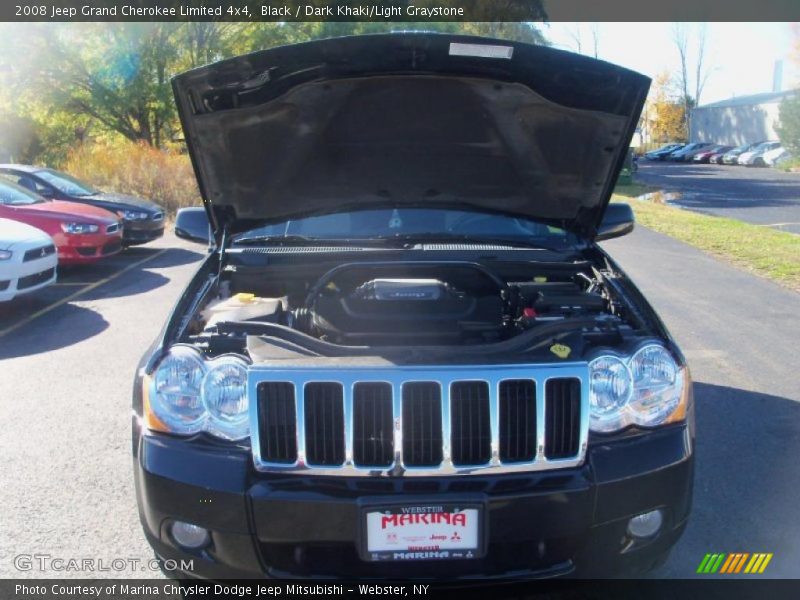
[{"x": 761, "y": 250}]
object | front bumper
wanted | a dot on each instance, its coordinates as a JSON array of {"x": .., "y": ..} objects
[
  {"x": 142, "y": 231},
  {"x": 565, "y": 522},
  {"x": 87, "y": 248},
  {"x": 18, "y": 277}
]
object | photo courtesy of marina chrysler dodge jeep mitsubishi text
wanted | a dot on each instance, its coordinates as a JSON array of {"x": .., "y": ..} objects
[{"x": 405, "y": 355}]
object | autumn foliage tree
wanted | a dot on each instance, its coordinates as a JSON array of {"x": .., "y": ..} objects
[{"x": 664, "y": 115}]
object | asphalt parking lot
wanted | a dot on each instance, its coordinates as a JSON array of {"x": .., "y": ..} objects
[
  {"x": 67, "y": 359},
  {"x": 762, "y": 196}
]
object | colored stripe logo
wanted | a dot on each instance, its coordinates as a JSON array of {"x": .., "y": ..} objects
[{"x": 736, "y": 562}]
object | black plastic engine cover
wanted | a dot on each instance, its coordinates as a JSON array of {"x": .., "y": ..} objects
[{"x": 416, "y": 307}]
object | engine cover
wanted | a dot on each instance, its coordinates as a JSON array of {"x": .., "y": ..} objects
[
  {"x": 400, "y": 310},
  {"x": 403, "y": 289}
]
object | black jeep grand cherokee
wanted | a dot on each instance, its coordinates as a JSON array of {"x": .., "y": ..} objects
[{"x": 405, "y": 355}]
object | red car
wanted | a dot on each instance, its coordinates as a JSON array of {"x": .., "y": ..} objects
[
  {"x": 707, "y": 155},
  {"x": 82, "y": 233}
]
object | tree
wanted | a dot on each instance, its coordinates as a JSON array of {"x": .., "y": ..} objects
[
  {"x": 693, "y": 72},
  {"x": 577, "y": 38},
  {"x": 789, "y": 127},
  {"x": 789, "y": 116},
  {"x": 112, "y": 79},
  {"x": 663, "y": 118}
]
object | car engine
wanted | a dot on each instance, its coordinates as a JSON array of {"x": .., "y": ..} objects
[{"x": 421, "y": 304}]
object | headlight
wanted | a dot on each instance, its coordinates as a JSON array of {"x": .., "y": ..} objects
[
  {"x": 647, "y": 390},
  {"x": 187, "y": 395},
  {"x": 657, "y": 386},
  {"x": 78, "y": 228},
  {"x": 5, "y": 254},
  {"x": 224, "y": 392},
  {"x": 132, "y": 215},
  {"x": 610, "y": 389},
  {"x": 175, "y": 393}
]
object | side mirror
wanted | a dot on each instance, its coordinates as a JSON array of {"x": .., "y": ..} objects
[
  {"x": 46, "y": 193},
  {"x": 617, "y": 221},
  {"x": 192, "y": 224}
]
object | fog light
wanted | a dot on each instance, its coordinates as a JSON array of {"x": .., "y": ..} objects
[
  {"x": 645, "y": 525},
  {"x": 190, "y": 536}
]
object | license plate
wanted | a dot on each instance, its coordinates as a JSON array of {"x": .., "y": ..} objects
[{"x": 422, "y": 532}]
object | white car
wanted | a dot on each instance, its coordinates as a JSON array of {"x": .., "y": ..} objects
[
  {"x": 28, "y": 259},
  {"x": 770, "y": 158},
  {"x": 748, "y": 158}
]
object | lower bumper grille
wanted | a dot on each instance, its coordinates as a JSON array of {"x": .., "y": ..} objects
[
  {"x": 418, "y": 421},
  {"x": 33, "y": 280},
  {"x": 112, "y": 247}
]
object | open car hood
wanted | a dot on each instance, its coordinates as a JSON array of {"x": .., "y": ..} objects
[{"x": 408, "y": 120}]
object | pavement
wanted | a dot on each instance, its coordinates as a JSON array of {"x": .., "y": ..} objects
[
  {"x": 67, "y": 360},
  {"x": 762, "y": 196}
]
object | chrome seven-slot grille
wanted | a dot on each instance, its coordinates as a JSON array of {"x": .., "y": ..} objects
[{"x": 418, "y": 420}]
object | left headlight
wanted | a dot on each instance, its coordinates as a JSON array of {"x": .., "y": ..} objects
[
  {"x": 5, "y": 254},
  {"x": 187, "y": 394},
  {"x": 224, "y": 393},
  {"x": 648, "y": 389}
]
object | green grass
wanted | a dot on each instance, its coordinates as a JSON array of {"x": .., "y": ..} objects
[{"x": 761, "y": 250}]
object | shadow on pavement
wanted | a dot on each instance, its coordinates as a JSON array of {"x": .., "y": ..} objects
[
  {"x": 67, "y": 325},
  {"x": 747, "y": 480},
  {"x": 176, "y": 257},
  {"x": 131, "y": 283}
]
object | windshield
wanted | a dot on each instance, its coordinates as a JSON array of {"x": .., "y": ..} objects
[
  {"x": 66, "y": 184},
  {"x": 13, "y": 195},
  {"x": 407, "y": 223}
]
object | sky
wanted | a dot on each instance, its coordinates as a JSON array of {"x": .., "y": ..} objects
[{"x": 740, "y": 56}]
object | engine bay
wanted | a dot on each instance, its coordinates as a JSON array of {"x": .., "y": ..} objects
[{"x": 363, "y": 307}]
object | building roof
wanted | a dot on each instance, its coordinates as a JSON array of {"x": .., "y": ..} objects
[{"x": 751, "y": 99}]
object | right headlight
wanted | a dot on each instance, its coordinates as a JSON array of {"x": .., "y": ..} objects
[
  {"x": 79, "y": 228},
  {"x": 649, "y": 389},
  {"x": 187, "y": 394}
]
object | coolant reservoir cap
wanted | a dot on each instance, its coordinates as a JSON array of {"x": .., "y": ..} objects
[{"x": 244, "y": 297}]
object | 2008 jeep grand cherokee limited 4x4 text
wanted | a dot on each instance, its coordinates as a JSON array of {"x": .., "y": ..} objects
[{"x": 405, "y": 355}]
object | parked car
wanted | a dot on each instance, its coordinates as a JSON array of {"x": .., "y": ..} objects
[
  {"x": 704, "y": 156},
  {"x": 662, "y": 152},
  {"x": 81, "y": 233},
  {"x": 143, "y": 220},
  {"x": 731, "y": 157},
  {"x": 716, "y": 157},
  {"x": 747, "y": 158},
  {"x": 27, "y": 259},
  {"x": 770, "y": 158},
  {"x": 406, "y": 355},
  {"x": 687, "y": 152}
]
